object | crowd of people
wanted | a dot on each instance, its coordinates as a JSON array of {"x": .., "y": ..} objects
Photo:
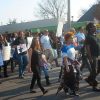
[{"x": 78, "y": 49}]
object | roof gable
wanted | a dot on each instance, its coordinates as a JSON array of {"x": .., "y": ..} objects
[{"x": 89, "y": 15}]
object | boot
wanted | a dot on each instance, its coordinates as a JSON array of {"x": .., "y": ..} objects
[
  {"x": 47, "y": 80},
  {"x": 59, "y": 89}
]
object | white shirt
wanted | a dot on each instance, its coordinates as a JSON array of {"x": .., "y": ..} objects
[
  {"x": 29, "y": 41},
  {"x": 80, "y": 36},
  {"x": 6, "y": 50},
  {"x": 70, "y": 54},
  {"x": 45, "y": 42}
]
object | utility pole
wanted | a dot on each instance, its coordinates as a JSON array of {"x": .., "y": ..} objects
[{"x": 68, "y": 17}]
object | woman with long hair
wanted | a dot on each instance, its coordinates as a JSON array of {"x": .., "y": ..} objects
[{"x": 34, "y": 65}]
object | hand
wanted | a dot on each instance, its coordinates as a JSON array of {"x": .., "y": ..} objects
[
  {"x": 29, "y": 70},
  {"x": 67, "y": 69},
  {"x": 91, "y": 60},
  {"x": 76, "y": 62}
]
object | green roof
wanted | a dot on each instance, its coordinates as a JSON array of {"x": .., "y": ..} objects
[
  {"x": 40, "y": 29},
  {"x": 79, "y": 24}
]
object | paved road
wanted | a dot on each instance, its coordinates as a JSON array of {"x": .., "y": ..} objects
[{"x": 13, "y": 88}]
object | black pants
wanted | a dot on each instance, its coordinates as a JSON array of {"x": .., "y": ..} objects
[
  {"x": 85, "y": 62},
  {"x": 13, "y": 64},
  {"x": 93, "y": 73},
  {"x": 37, "y": 77},
  {"x": 60, "y": 72},
  {"x": 70, "y": 79},
  {"x": 5, "y": 68},
  {"x": 98, "y": 68}
]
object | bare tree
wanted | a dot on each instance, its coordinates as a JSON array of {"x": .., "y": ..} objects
[
  {"x": 13, "y": 21},
  {"x": 52, "y": 8}
]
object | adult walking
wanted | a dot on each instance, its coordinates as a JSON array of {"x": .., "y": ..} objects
[
  {"x": 4, "y": 43},
  {"x": 70, "y": 69},
  {"x": 34, "y": 64},
  {"x": 20, "y": 45},
  {"x": 93, "y": 50},
  {"x": 46, "y": 46}
]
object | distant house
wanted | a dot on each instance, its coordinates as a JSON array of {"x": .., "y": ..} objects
[
  {"x": 90, "y": 14},
  {"x": 34, "y": 26},
  {"x": 51, "y": 24}
]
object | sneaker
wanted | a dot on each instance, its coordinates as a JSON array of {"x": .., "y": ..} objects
[
  {"x": 89, "y": 82},
  {"x": 80, "y": 77},
  {"x": 95, "y": 83},
  {"x": 74, "y": 94},
  {"x": 65, "y": 89},
  {"x": 96, "y": 89},
  {"x": 45, "y": 91},
  {"x": 21, "y": 77},
  {"x": 31, "y": 91},
  {"x": 23, "y": 74},
  {"x": 6, "y": 76}
]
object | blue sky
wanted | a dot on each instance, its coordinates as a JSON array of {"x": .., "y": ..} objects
[{"x": 23, "y": 10}]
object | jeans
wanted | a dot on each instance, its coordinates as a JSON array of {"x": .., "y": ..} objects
[
  {"x": 23, "y": 62},
  {"x": 44, "y": 70}
]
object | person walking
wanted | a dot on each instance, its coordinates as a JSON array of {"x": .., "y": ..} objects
[
  {"x": 4, "y": 43},
  {"x": 34, "y": 65},
  {"x": 70, "y": 71},
  {"x": 46, "y": 47},
  {"x": 93, "y": 50},
  {"x": 20, "y": 45}
]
